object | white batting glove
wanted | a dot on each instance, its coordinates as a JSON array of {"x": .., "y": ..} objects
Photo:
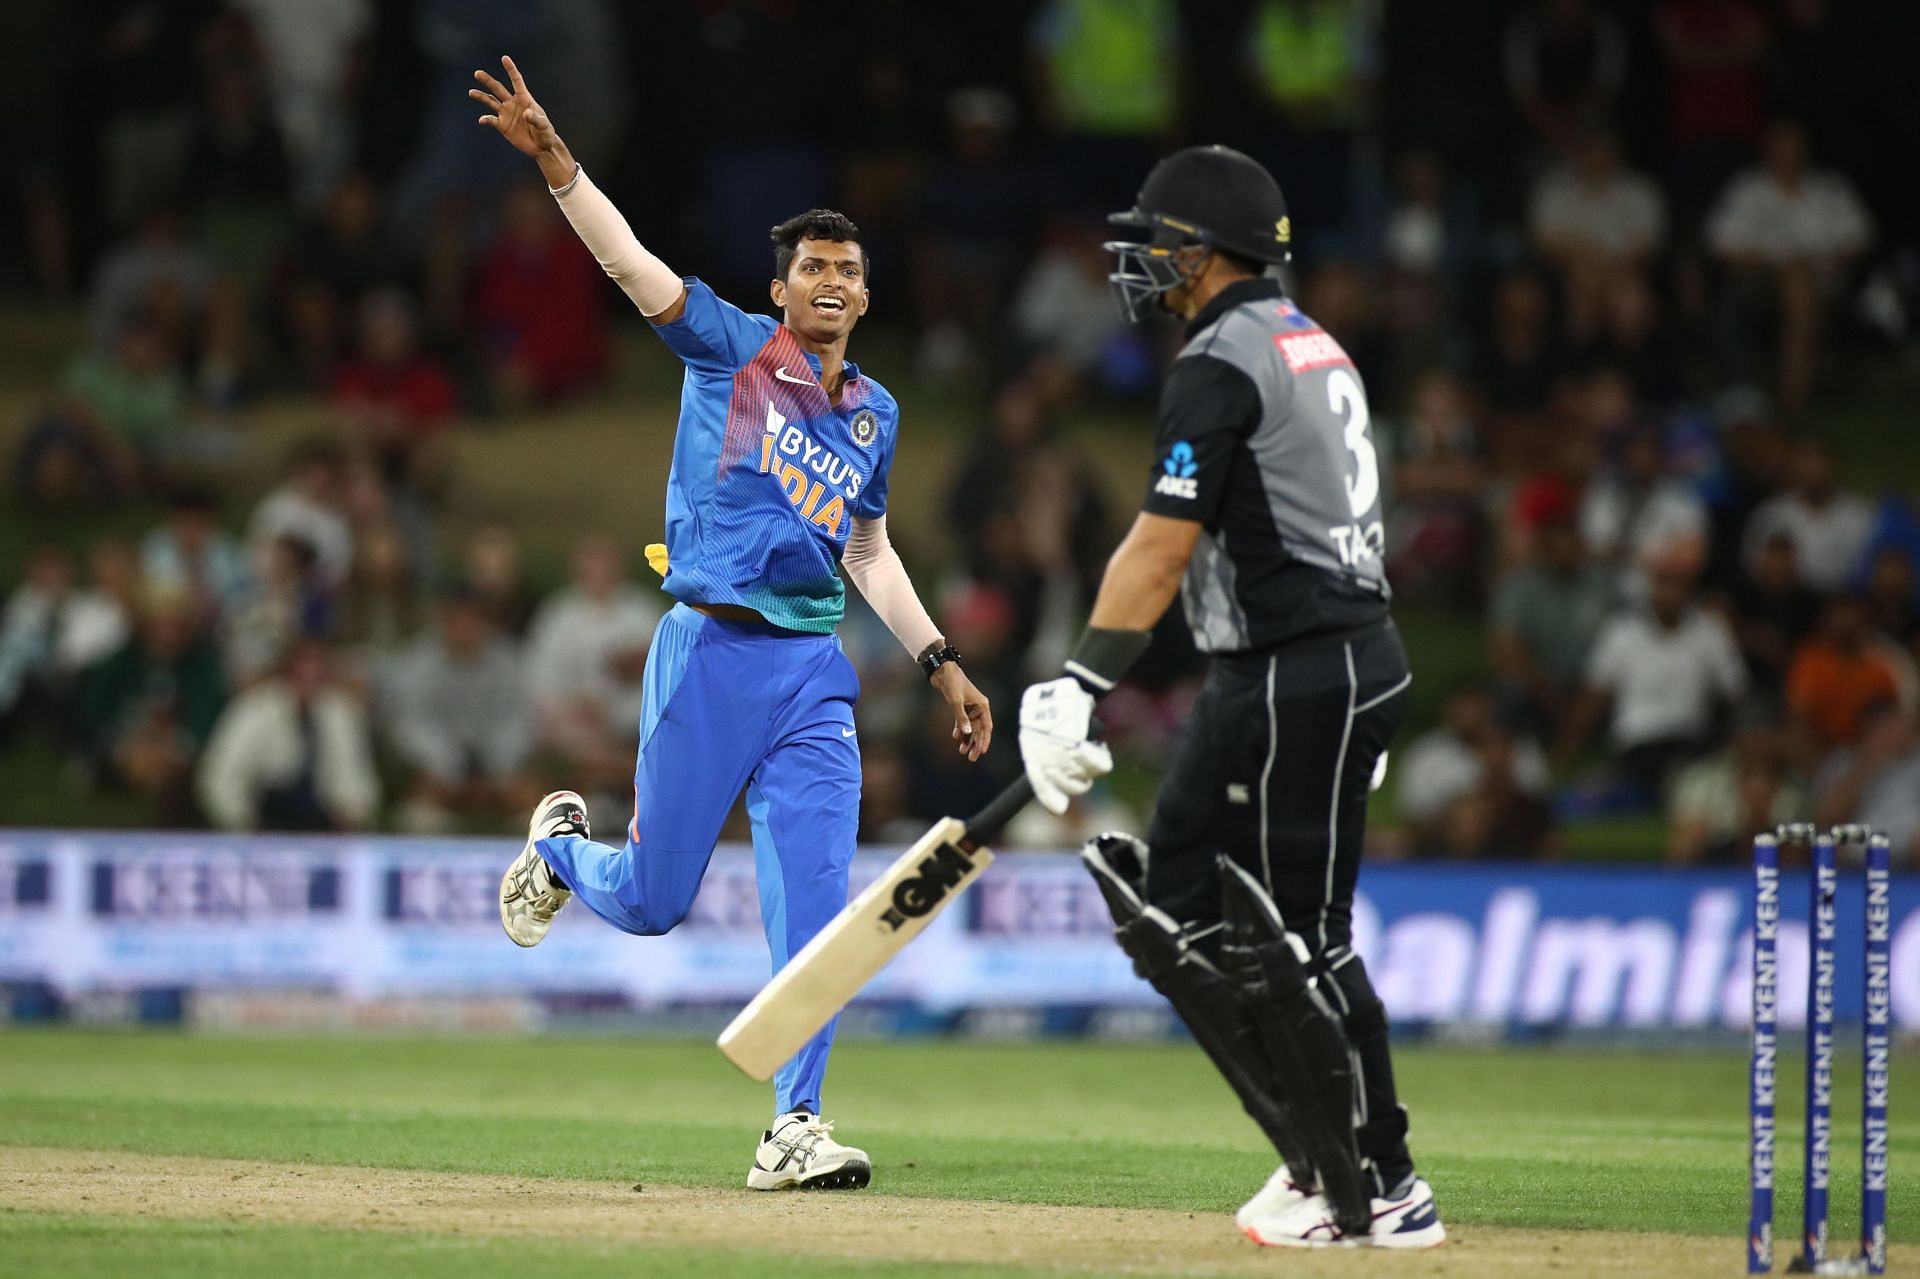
[{"x": 1055, "y": 720}]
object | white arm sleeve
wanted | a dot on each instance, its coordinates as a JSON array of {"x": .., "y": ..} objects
[
  {"x": 875, "y": 569},
  {"x": 647, "y": 280}
]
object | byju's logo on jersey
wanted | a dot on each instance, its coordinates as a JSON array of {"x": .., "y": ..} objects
[{"x": 1179, "y": 471}]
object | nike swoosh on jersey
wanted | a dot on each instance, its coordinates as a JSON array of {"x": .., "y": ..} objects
[
  {"x": 781, "y": 373},
  {"x": 848, "y": 732}
]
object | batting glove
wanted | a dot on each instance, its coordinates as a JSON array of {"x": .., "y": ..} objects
[{"x": 1055, "y": 723}]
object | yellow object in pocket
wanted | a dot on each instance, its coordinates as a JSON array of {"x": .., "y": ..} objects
[{"x": 657, "y": 557}]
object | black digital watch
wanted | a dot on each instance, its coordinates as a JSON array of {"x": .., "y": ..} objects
[{"x": 938, "y": 654}]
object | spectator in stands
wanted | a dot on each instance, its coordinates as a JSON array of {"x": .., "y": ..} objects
[
  {"x": 308, "y": 505},
  {"x": 143, "y": 96},
  {"x": 1522, "y": 357},
  {"x": 1665, "y": 673},
  {"x": 1566, "y": 62},
  {"x": 50, "y": 631},
  {"x": 1773, "y": 612},
  {"x": 1722, "y": 801},
  {"x": 1023, "y": 463},
  {"x": 1715, "y": 53},
  {"x": 1786, "y": 233},
  {"x": 293, "y": 752},
  {"x": 884, "y": 814},
  {"x": 313, "y": 54},
  {"x": 1430, "y": 247},
  {"x": 1596, "y": 221},
  {"x": 1754, "y": 454},
  {"x": 1437, "y": 484},
  {"x": 1892, "y": 595},
  {"x": 456, "y": 719},
  {"x": 392, "y": 398},
  {"x": 974, "y": 207},
  {"x": 237, "y": 170},
  {"x": 118, "y": 427},
  {"x": 1062, "y": 308},
  {"x": 540, "y": 304},
  {"x": 330, "y": 267},
  {"x": 1340, "y": 296},
  {"x": 1106, "y": 84},
  {"x": 586, "y": 652},
  {"x": 1829, "y": 527},
  {"x": 1448, "y": 763},
  {"x": 1877, "y": 780},
  {"x": 493, "y": 570},
  {"x": 146, "y": 710},
  {"x": 1500, "y": 816},
  {"x": 156, "y": 275},
  {"x": 1639, "y": 513},
  {"x": 1842, "y": 671},
  {"x": 290, "y": 599},
  {"x": 1313, "y": 63},
  {"x": 1545, "y": 619},
  {"x": 1636, "y": 337},
  {"x": 381, "y": 606},
  {"x": 191, "y": 554},
  {"x": 158, "y": 278}
]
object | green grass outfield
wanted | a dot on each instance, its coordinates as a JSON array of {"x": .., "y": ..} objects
[{"x": 1536, "y": 1138}]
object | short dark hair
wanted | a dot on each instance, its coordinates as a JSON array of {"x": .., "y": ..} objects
[{"x": 814, "y": 224}]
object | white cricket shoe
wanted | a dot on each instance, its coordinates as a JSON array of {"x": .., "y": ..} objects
[
  {"x": 1279, "y": 1193},
  {"x": 799, "y": 1153},
  {"x": 1289, "y": 1219},
  {"x": 1408, "y": 1218},
  {"x": 530, "y": 896},
  {"x": 1296, "y": 1221}
]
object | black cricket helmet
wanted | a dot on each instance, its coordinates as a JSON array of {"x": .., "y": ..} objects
[{"x": 1215, "y": 197}]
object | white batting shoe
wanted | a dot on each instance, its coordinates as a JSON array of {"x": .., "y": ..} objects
[
  {"x": 1296, "y": 1221},
  {"x": 530, "y": 896},
  {"x": 1408, "y": 1219},
  {"x": 1279, "y": 1194},
  {"x": 799, "y": 1153}
]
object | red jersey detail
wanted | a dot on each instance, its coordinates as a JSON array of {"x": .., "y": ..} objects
[{"x": 1314, "y": 350}]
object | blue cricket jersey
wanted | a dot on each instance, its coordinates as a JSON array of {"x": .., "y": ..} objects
[{"x": 768, "y": 473}]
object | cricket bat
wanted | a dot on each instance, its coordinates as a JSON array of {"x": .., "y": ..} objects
[{"x": 844, "y": 956}]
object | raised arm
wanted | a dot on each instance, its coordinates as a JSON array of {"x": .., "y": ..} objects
[{"x": 652, "y": 285}]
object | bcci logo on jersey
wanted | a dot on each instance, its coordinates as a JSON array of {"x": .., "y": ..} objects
[{"x": 1179, "y": 470}]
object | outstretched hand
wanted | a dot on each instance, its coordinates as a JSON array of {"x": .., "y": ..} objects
[{"x": 517, "y": 117}]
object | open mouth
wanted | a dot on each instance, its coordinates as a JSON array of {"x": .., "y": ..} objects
[{"x": 829, "y": 306}]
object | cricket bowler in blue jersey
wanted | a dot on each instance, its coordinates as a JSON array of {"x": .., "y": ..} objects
[{"x": 779, "y": 481}]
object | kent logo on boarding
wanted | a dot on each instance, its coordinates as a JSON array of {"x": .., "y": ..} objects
[{"x": 1180, "y": 469}]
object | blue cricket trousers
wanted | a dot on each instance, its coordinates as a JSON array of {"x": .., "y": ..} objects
[{"x": 732, "y": 704}]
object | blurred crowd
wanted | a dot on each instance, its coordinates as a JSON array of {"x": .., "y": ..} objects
[{"x": 1598, "y": 354}]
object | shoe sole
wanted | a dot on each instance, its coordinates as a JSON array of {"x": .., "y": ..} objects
[
  {"x": 1295, "y": 1242},
  {"x": 533, "y": 826},
  {"x": 852, "y": 1175}
]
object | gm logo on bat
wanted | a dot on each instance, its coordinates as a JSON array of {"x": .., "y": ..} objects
[{"x": 917, "y": 895}]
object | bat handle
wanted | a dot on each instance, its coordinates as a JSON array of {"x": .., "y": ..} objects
[{"x": 985, "y": 824}]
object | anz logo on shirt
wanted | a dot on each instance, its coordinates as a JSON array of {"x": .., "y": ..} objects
[
  {"x": 808, "y": 472},
  {"x": 1179, "y": 470}
]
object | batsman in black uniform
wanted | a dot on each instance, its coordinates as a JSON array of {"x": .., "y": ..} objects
[{"x": 1263, "y": 513}]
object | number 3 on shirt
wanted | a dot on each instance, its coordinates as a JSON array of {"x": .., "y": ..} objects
[{"x": 1345, "y": 397}]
